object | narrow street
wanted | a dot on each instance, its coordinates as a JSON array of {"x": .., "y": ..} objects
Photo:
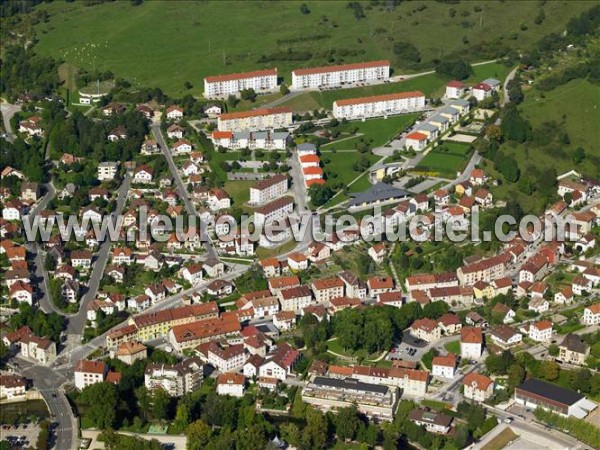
[
  {"x": 183, "y": 194},
  {"x": 76, "y": 323}
]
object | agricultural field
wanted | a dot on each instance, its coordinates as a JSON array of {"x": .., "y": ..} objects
[
  {"x": 446, "y": 159},
  {"x": 147, "y": 41}
]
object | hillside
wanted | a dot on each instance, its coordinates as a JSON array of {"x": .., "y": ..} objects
[{"x": 166, "y": 44}]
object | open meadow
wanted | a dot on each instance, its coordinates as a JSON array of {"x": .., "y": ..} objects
[
  {"x": 165, "y": 44},
  {"x": 446, "y": 159}
]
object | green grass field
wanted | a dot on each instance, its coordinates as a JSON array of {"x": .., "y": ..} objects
[
  {"x": 446, "y": 163},
  {"x": 166, "y": 44},
  {"x": 453, "y": 347},
  {"x": 239, "y": 191},
  {"x": 432, "y": 85},
  {"x": 339, "y": 167},
  {"x": 574, "y": 107}
]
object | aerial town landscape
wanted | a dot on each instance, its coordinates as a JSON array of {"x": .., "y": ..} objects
[{"x": 344, "y": 225}]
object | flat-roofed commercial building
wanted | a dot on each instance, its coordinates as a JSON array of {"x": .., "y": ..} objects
[
  {"x": 335, "y": 76},
  {"x": 378, "y": 402},
  {"x": 220, "y": 86},
  {"x": 379, "y": 105}
]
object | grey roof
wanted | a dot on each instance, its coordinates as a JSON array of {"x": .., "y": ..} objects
[
  {"x": 422, "y": 415},
  {"x": 449, "y": 110},
  {"x": 108, "y": 164},
  {"x": 427, "y": 127},
  {"x": 491, "y": 82},
  {"x": 280, "y": 135},
  {"x": 350, "y": 384},
  {"x": 550, "y": 391},
  {"x": 377, "y": 193},
  {"x": 241, "y": 135},
  {"x": 440, "y": 119},
  {"x": 574, "y": 343},
  {"x": 306, "y": 147},
  {"x": 260, "y": 135},
  {"x": 460, "y": 102}
]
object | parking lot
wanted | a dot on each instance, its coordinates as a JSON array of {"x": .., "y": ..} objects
[
  {"x": 410, "y": 349},
  {"x": 23, "y": 435}
]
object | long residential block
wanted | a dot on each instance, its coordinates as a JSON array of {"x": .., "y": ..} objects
[
  {"x": 256, "y": 120},
  {"x": 379, "y": 105},
  {"x": 335, "y": 76},
  {"x": 220, "y": 86}
]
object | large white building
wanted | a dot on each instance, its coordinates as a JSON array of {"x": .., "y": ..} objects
[
  {"x": 277, "y": 209},
  {"x": 379, "y": 105},
  {"x": 256, "y": 120},
  {"x": 176, "y": 380},
  {"x": 335, "y": 76},
  {"x": 269, "y": 140},
  {"x": 268, "y": 189},
  {"x": 220, "y": 86}
]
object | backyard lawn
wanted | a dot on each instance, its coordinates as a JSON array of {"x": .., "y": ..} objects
[
  {"x": 453, "y": 347},
  {"x": 446, "y": 159}
]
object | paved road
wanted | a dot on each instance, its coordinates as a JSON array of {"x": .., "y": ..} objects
[
  {"x": 531, "y": 432},
  {"x": 40, "y": 274},
  {"x": 68, "y": 357},
  {"x": 509, "y": 77},
  {"x": 48, "y": 382},
  {"x": 77, "y": 323},
  {"x": 183, "y": 193},
  {"x": 9, "y": 110}
]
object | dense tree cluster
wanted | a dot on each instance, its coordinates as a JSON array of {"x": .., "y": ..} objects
[
  {"x": 454, "y": 68},
  {"x": 42, "y": 324},
  {"x": 23, "y": 71}
]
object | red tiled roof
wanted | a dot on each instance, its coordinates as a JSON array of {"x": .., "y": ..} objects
[
  {"x": 241, "y": 75},
  {"x": 255, "y": 113},
  {"x": 416, "y": 136},
  {"x": 379, "y": 98},
  {"x": 341, "y": 67}
]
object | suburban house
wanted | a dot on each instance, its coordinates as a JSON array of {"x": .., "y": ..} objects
[
  {"x": 478, "y": 387},
  {"x": 471, "y": 343}
]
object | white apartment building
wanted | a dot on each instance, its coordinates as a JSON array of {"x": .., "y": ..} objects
[
  {"x": 107, "y": 170},
  {"x": 277, "y": 209},
  {"x": 231, "y": 383},
  {"x": 276, "y": 140},
  {"x": 471, "y": 343},
  {"x": 256, "y": 120},
  {"x": 89, "y": 372},
  {"x": 379, "y": 105},
  {"x": 541, "y": 331},
  {"x": 444, "y": 366},
  {"x": 268, "y": 189},
  {"x": 295, "y": 299},
  {"x": 12, "y": 386},
  {"x": 221, "y": 86},
  {"x": 176, "y": 380},
  {"x": 326, "y": 289},
  {"x": 335, "y": 76},
  {"x": 591, "y": 315},
  {"x": 224, "y": 358},
  {"x": 478, "y": 387}
]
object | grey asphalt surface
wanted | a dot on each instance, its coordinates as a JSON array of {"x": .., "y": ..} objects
[
  {"x": 77, "y": 323},
  {"x": 183, "y": 193}
]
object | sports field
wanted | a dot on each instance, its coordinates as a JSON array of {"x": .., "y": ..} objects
[
  {"x": 446, "y": 159},
  {"x": 165, "y": 44}
]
